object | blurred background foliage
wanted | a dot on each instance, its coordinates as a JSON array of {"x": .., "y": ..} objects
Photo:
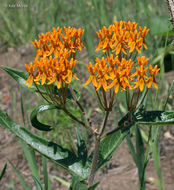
[{"x": 20, "y": 25}]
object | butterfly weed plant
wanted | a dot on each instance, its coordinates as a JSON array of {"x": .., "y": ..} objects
[{"x": 120, "y": 68}]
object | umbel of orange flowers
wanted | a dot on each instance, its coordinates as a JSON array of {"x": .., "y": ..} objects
[
  {"x": 120, "y": 67},
  {"x": 55, "y": 57}
]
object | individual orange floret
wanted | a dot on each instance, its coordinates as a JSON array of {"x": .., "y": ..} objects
[
  {"x": 71, "y": 39},
  {"x": 141, "y": 72},
  {"x": 98, "y": 73},
  {"x": 142, "y": 61},
  {"x": 30, "y": 69},
  {"x": 143, "y": 32},
  {"x": 151, "y": 80},
  {"x": 105, "y": 36},
  {"x": 92, "y": 78}
]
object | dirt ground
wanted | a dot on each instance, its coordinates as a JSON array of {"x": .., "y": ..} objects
[{"x": 120, "y": 174}]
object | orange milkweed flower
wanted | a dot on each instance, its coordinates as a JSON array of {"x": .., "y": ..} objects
[
  {"x": 141, "y": 81},
  {"x": 30, "y": 69},
  {"x": 151, "y": 80}
]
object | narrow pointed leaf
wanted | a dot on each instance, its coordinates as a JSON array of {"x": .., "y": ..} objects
[
  {"x": 66, "y": 183},
  {"x": 21, "y": 178},
  {"x": 3, "y": 171},
  {"x": 93, "y": 187},
  {"x": 108, "y": 146},
  {"x": 148, "y": 118},
  {"x": 78, "y": 183},
  {"x": 61, "y": 156},
  {"x": 81, "y": 147},
  {"x": 139, "y": 154},
  {"x": 38, "y": 183},
  {"x": 155, "y": 117},
  {"x": 31, "y": 159},
  {"x": 131, "y": 148},
  {"x": 33, "y": 117},
  {"x": 21, "y": 77}
]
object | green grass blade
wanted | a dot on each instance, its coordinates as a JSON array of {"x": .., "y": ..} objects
[
  {"x": 61, "y": 181},
  {"x": 140, "y": 157},
  {"x": 38, "y": 183},
  {"x": 31, "y": 159},
  {"x": 45, "y": 174},
  {"x": 131, "y": 148},
  {"x": 21, "y": 178},
  {"x": 3, "y": 171},
  {"x": 156, "y": 154}
]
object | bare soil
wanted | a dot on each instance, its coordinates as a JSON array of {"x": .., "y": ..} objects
[{"x": 120, "y": 174}]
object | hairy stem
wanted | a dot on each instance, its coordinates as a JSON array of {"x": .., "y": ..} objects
[
  {"x": 94, "y": 161},
  {"x": 81, "y": 108}
]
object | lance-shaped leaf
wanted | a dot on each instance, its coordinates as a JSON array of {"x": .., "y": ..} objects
[
  {"x": 81, "y": 147},
  {"x": 154, "y": 117},
  {"x": 21, "y": 77},
  {"x": 33, "y": 117},
  {"x": 78, "y": 183},
  {"x": 3, "y": 171},
  {"x": 108, "y": 145},
  {"x": 21, "y": 178},
  {"x": 61, "y": 156}
]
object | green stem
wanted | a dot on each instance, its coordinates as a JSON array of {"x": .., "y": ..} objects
[
  {"x": 81, "y": 108},
  {"x": 42, "y": 94},
  {"x": 76, "y": 119},
  {"x": 104, "y": 123}
]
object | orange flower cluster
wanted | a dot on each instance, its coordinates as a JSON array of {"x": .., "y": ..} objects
[
  {"x": 54, "y": 61},
  {"x": 122, "y": 36},
  {"x": 119, "y": 70},
  {"x": 110, "y": 72}
]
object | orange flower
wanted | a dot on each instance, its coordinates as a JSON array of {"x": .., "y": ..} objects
[
  {"x": 141, "y": 81},
  {"x": 92, "y": 77},
  {"x": 30, "y": 69},
  {"x": 151, "y": 79}
]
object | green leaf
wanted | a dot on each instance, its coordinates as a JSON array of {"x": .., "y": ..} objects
[
  {"x": 148, "y": 118},
  {"x": 3, "y": 171},
  {"x": 131, "y": 148},
  {"x": 93, "y": 187},
  {"x": 140, "y": 155},
  {"x": 21, "y": 178},
  {"x": 33, "y": 117},
  {"x": 108, "y": 145},
  {"x": 160, "y": 25},
  {"x": 31, "y": 159},
  {"x": 78, "y": 183},
  {"x": 154, "y": 117},
  {"x": 37, "y": 183},
  {"x": 61, "y": 181},
  {"x": 21, "y": 77},
  {"x": 45, "y": 173},
  {"x": 81, "y": 147},
  {"x": 61, "y": 156}
]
